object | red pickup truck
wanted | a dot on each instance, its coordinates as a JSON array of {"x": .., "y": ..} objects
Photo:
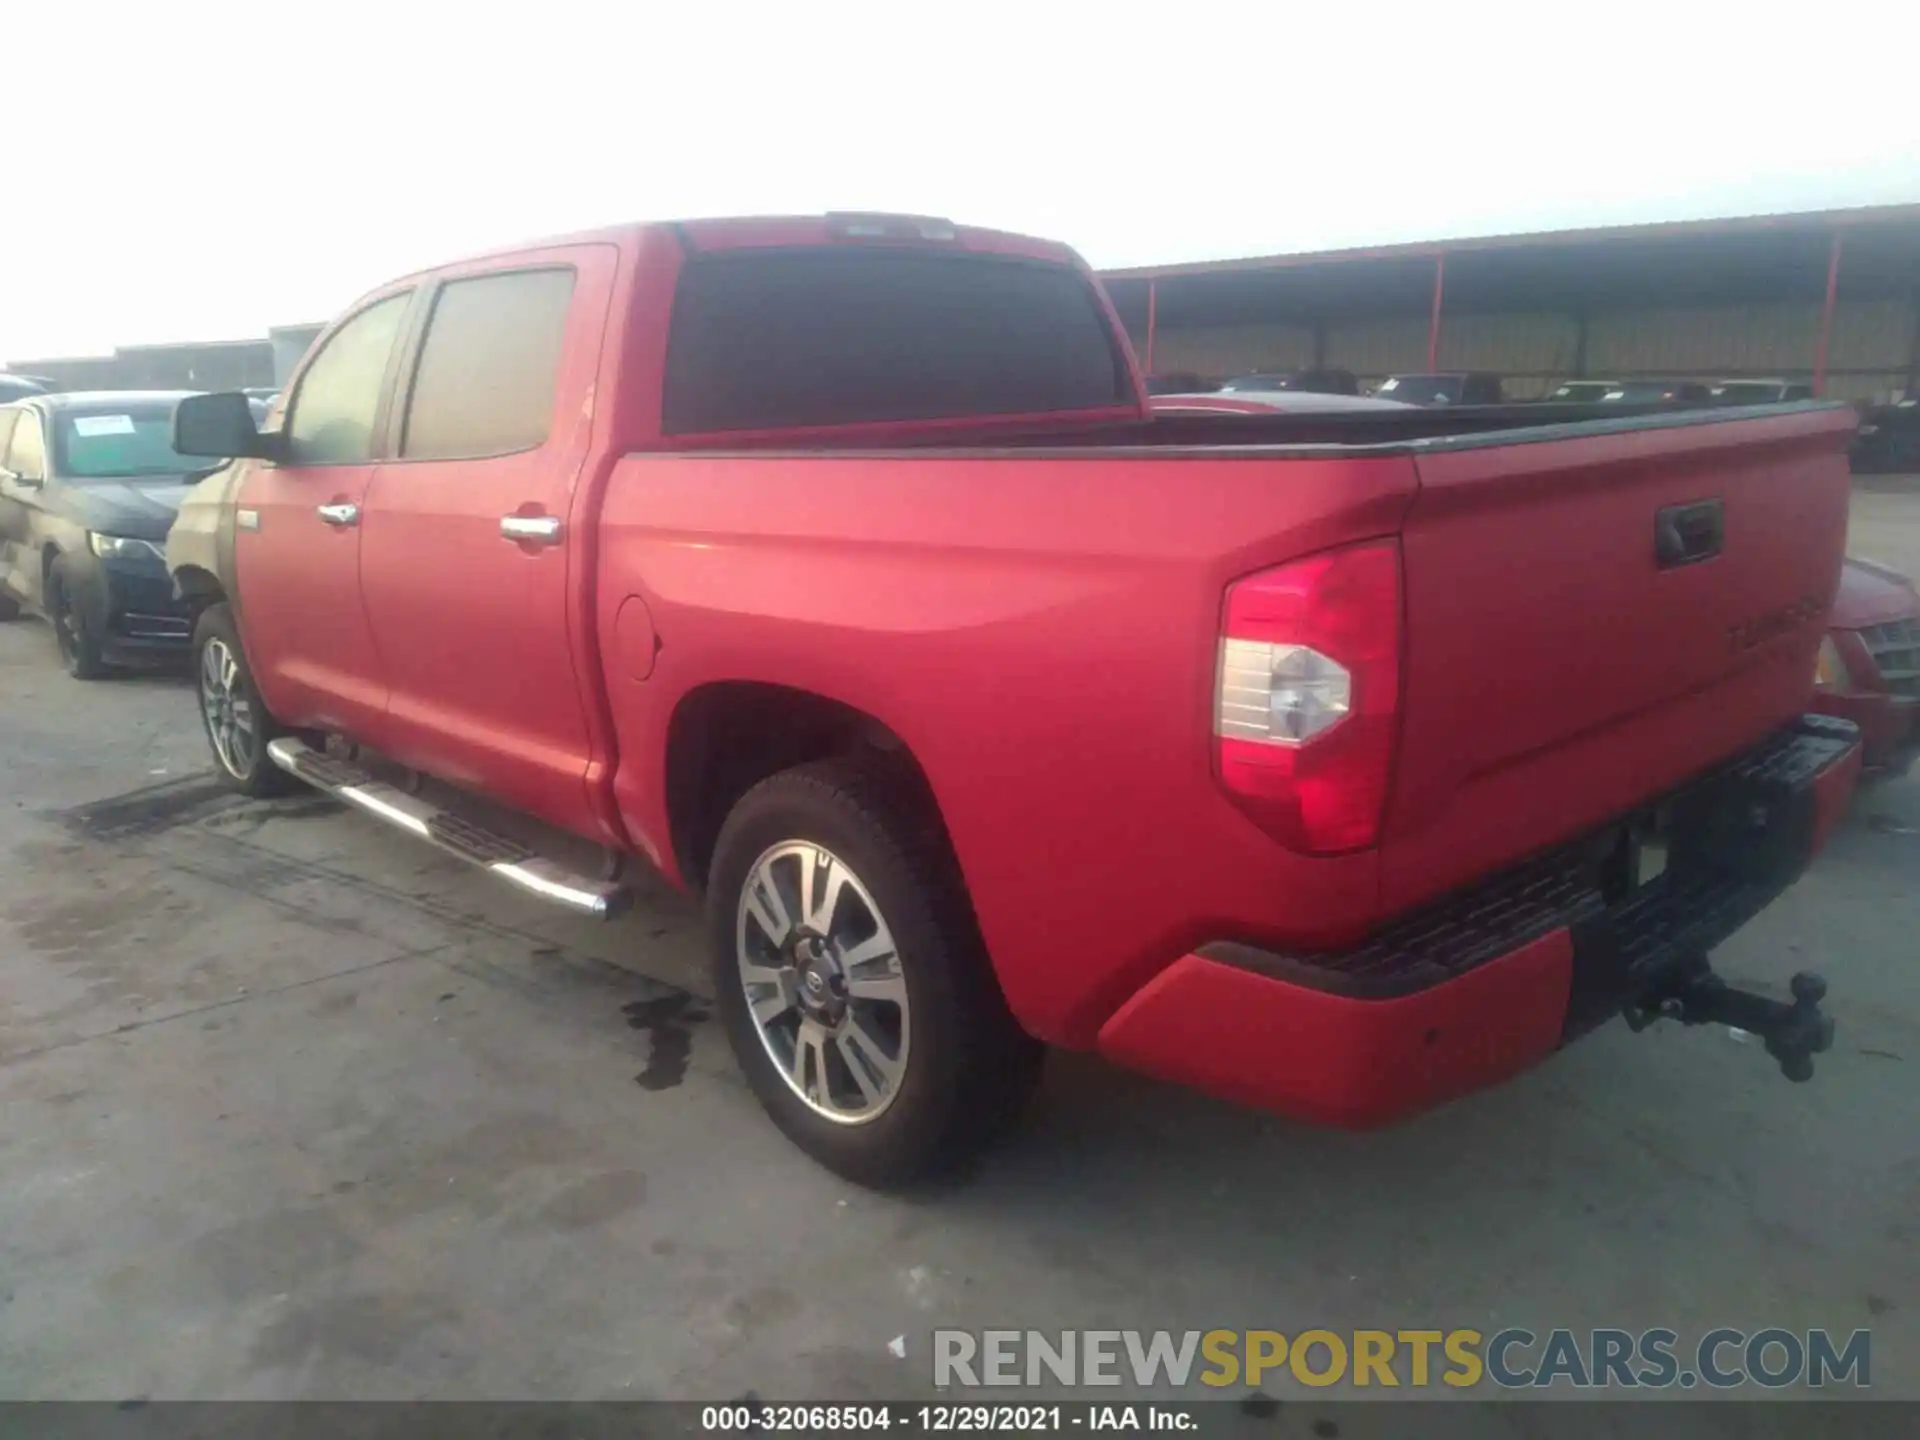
[{"x": 1336, "y": 763}]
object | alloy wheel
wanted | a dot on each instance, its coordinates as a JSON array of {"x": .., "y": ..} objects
[
  {"x": 226, "y": 709},
  {"x": 823, "y": 982}
]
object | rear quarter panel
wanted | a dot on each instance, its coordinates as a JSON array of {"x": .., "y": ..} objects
[{"x": 1041, "y": 632}]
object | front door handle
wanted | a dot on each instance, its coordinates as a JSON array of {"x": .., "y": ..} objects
[
  {"x": 340, "y": 514},
  {"x": 531, "y": 529}
]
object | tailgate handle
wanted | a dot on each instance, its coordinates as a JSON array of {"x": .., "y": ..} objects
[{"x": 1688, "y": 534}]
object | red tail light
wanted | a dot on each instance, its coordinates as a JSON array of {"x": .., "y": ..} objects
[{"x": 1307, "y": 702}]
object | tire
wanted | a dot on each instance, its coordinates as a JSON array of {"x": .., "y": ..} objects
[
  {"x": 9, "y": 609},
  {"x": 963, "y": 1069},
  {"x": 236, "y": 722},
  {"x": 79, "y": 647}
]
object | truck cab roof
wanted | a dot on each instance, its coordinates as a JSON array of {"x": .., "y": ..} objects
[{"x": 832, "y": 228}]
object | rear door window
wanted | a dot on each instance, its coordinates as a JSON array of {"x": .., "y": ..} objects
[
  {"x": 784, "y": 339},
  {"x": 485, "y": 380}
]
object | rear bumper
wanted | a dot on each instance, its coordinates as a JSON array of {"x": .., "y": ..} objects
[
  {"x": 1478, "y": 988},
  {"x": 1889, "y": 727}
]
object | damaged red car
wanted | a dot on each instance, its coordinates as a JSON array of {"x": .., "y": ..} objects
[{"x": 1869, "y": 666}]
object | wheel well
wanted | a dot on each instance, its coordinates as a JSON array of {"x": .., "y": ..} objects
[
  {"x": 726, "y": 738},
  {"x": 199, "y": 587}
]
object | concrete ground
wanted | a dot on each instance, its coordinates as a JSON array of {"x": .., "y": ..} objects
[{"x": 293, "y": 1107}]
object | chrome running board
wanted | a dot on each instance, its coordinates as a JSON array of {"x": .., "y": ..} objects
[{"x": 508, "y": 859}]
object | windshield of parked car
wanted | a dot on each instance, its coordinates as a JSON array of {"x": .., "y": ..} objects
[
  {"x": 118, "y": 441},
  {"x": 1423, "y": 389}
]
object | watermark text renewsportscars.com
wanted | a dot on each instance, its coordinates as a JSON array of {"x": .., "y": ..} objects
[{"x": 1512, "y": 1358}]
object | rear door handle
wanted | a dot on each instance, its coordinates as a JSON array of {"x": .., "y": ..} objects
[
  {"x": 531, "y": 529},
  {"x": 339, "y": 514}
]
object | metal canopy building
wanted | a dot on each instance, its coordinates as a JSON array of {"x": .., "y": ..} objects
[
  {"x": 200, "y": 365},
  {"x": 1830, "y": 296}
]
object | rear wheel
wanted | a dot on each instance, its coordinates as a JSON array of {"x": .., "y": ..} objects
[
  {"x": 9, "y": 609},
  {"x": 236, "y": 720},
  {"x": 855, "y": 991},
  {"x": 79, "y": 646}
]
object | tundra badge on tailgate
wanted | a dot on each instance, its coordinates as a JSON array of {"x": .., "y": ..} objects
[{"x": 1775, "y": 623}]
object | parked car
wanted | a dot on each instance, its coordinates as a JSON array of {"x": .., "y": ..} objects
[
  {"x": 1869, "y": 666},
  {"x": 1323, "y": 382},
  {"x": 1759, "y": 392},
  {"x": 1466, "y": 387},
  {"x": 1267, "y": 402},
  {"x": 1582, "y": 392},
  {"x": 88, "y": 486},
  {"x": 18, "y": 387},
  {"x": 1654, "y": 392},
  {"x": 918, "y": 671},
  {"x": 1889, "y": 438}
]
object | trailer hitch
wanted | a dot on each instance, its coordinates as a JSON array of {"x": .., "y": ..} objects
[{"x": 1793, "y": 1033}]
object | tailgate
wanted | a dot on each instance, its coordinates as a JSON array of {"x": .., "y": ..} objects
[{"x": 1565, "y": 660}]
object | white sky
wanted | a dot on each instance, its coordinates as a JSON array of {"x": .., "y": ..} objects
[{"x": 203, "y": 170}]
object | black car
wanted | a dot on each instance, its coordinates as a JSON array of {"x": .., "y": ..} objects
[
  {"x": 1657, "y": 392},
  {"x": 1889, "y": 438},
  {"x": 89, "y": 484},
  {"x": 1583, "y": 392},
  {"x": 1760, "y": 392}
]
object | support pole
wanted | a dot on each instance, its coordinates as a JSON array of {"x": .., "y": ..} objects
[
  {"x": 1153, "y": 304},
  {"x": 1826, "y": 317},
  {"x": 1433, "y": 324},
  {"x": 1912, "y": 390}
]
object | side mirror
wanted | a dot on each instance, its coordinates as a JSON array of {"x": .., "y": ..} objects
[
  {"x": 220, "y": 427},
  {"x": 28, "y": 481}
]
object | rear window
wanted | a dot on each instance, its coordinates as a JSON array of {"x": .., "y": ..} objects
[{"x": 774, "y": 340}]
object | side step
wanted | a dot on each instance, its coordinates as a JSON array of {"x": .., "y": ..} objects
[{"x": 510, "y": 860}]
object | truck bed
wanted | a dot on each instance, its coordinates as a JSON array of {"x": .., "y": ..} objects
[
  {"x": 1555, "y": 677},
  {"x": 1424, "y": 427}
]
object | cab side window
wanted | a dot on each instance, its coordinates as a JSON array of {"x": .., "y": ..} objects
[
  {"x": 26, "y": 451},
  {"x": 331, "y": 416},
  {"x": 485, "y": 381}
]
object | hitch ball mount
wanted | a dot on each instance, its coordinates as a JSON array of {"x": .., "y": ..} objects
[{"x": 1793, "y": 1033}]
